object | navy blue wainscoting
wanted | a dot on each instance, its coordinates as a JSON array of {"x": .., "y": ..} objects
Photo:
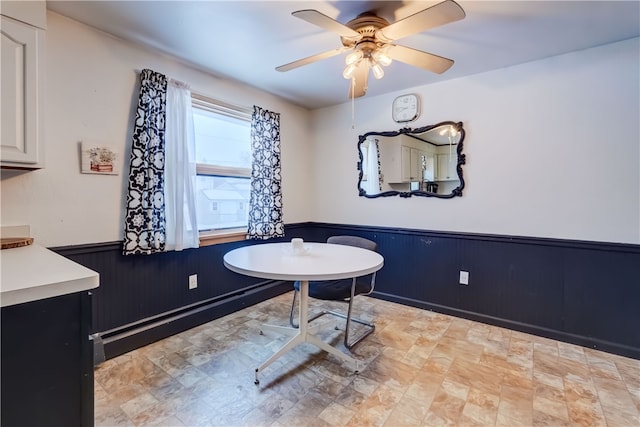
[
  {"x": 144, "y": 298},
  {"x": 586, "y": 293}
]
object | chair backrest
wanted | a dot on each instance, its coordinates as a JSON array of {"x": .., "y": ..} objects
[{"x": 359, "y": 242}]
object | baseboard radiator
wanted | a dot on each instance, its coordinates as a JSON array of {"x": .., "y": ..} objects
[{"x": 111, "y": 343}]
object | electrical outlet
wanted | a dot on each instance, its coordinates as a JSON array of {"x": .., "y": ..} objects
[
  {"x": 464, "y": 277},
  {"x": 193, "y": 281}
]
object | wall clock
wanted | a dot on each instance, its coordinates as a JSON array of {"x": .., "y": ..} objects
[{"x": 405, "y": 108}]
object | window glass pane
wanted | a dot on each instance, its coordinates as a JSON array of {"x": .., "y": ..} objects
[
  {"x": 222, "y": 140},
  {"x": 222, "y": 202}
]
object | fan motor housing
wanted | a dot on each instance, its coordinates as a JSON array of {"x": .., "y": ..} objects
[{"x": 366, "y": 24}]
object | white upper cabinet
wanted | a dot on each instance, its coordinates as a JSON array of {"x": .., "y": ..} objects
[
  {"x": 21, "y": 77},
  {"x": 404, "y": 164},
  {"x": 446, "y": 169},
  {"x": 429, "y": 168}
]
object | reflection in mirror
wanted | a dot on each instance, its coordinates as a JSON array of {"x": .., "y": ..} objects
[{"x": 426, "y": 161}]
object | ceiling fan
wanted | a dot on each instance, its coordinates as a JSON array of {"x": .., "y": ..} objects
[{"x": 370, "y": 39}]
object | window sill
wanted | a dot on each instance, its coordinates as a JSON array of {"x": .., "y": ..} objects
[{"x": 226, "y": 236}]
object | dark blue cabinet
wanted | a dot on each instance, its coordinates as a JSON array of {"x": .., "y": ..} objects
[{"x": 47, "y": 362}]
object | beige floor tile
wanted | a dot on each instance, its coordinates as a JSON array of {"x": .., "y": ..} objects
[
  {"x": 399, "y": 418},
  {"x": 419, "y": 368},
  {"x": 479, "y": 376},
  {"x": 336, "y": 415},
  {"x": 542, "y": 419},
  {"x": 554, "y": 408},
  {"x": 583, "y": 414},
  {"x": 111, "y": 416},
  {"x": 617, "y": 403},
  {"x": 410, "y": 409},
  {"x": 447, "y": 406},
  {"x": 424, "y": 388},
  {"x": 475, "y": 415},
  {"x": 437, "y": 420},
  {"x": 515, "y": 407}
]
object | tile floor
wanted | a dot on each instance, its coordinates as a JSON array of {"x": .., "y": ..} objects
[{"x": 418, "y": 368}]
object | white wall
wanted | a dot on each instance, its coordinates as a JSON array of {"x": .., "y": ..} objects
[
  {"x": 553, "y": 150},
  {"x": 553, "y": 146},
  {"x": 91, "y": 92}
]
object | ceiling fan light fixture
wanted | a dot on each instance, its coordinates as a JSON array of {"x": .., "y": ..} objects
[
  {"x": 353, "y": 57},
  {"x": 452, "y": 131},
  {"x": 381, "y": 58},
  {"x": 349, "y": 70},
  {"x": 377, "y": 70}
]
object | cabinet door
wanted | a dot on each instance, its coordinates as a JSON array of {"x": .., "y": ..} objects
[
  {"x": 47, "y": 363},
  {"x": 405, "y": 169},
  {"x": 416, "y": 164},
  {"x": 405, "y": 154},
  {"x": 21, "y": 130},
  {"x": 429, "y": 168},
  {"x": 446, "y": 167}
]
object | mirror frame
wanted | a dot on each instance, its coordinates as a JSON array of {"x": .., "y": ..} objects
[{"x": 456, "y": 192}]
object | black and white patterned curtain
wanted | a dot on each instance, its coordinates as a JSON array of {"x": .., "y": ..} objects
[
  {"x": 145, "y": 226},
  {"x": 380, "y": 176},
  {"x": 265, "y": 205}
]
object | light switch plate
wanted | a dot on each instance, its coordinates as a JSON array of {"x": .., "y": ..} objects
[
  {"x": 193, "y": 281},
  {"x": 464, "y": 277}
]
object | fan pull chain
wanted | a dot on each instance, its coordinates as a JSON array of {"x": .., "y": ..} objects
[
  {"x": 450, "y": 144},
  {"x": 353, "y": 102}
]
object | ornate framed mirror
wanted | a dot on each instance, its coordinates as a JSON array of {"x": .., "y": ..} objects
[{"x": 425, "y": 161}]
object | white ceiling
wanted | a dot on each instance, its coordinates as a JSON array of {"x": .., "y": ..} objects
[{"x": 246, "y": 40}]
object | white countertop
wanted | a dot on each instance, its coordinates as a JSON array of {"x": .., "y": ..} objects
[
  {"x": 33, "y": 273},
  {"x": 321, "y": 261}
]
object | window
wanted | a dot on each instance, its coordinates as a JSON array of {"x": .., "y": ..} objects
[{"x": 223, "y": 158}]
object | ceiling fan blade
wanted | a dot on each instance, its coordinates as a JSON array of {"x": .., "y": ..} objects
[
  {"x": 310, "y": 59},
  {"x": 323, "y": 21},
  {"x": 417, "y": 58},
  {"x": 361, "y": 76},
  {"x": 434, "y": 16}
]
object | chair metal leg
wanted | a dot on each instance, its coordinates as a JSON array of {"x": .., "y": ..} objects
[
  {"x": 293, "y": 306},
  {"x": 348, "y": 328},
  {"x": 370, "y": 326},
  {"x": 293, "y": 309}
]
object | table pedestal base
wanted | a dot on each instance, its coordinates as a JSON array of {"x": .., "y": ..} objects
[{"x": 302, "y": 335}]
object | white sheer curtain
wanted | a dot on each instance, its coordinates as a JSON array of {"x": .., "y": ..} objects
[
  {"x": 180, "y": 170},
  {"x": 372, "y": 185}
]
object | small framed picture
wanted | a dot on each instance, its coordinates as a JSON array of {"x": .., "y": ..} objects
[{"x": 99, "y": 159}]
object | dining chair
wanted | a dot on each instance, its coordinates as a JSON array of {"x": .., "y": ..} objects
[{"x": 343, "y": 290}]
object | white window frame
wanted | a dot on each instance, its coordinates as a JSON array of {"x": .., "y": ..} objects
[{"x": 202, "y": 102}]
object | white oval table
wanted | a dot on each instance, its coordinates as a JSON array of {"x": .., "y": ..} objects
[{"x": 320, "y": 261}]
